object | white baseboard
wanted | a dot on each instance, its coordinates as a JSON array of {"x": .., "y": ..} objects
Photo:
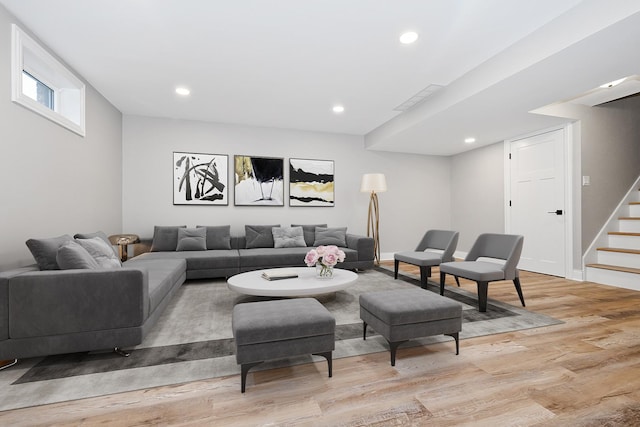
[{"x": 386, "y": 256}]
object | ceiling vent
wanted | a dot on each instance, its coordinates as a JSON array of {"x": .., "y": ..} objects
[
  {"x": 628, "y": 87},
  {"x": 418, "y": 98}
]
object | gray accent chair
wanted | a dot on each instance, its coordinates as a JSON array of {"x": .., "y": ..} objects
[
  {"x": 444, "y": 243},
  {"x": 492, "y": 257}
]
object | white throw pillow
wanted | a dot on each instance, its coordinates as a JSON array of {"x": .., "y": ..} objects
[{"x": 288, "y": 237}]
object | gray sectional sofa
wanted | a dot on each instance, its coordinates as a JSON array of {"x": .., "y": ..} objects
[
  {"x": 46, "y": 310},
  {"x": 226, "y": 255}
]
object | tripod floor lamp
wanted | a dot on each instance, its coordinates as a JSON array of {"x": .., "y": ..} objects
[{"x": 374, "y": 183}]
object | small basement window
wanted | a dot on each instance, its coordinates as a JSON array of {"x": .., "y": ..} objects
[
  {"x": 44, "y": 85},
  {"x": 38, "y": 91}
]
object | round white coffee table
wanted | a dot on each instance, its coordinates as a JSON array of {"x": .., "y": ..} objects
[{"x": 307, "y": 283}]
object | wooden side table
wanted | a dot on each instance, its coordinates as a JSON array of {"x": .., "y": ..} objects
[{"x": 123, "y": 241}]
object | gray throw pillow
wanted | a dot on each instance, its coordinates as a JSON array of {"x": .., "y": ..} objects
[
  {"x": 100, "y": 234},
  {"x": 72, "y": 256},
  {"x": 331, "y": 236},
  {"x": 309, "y": 232},
  {"x": 192, "y": 239},
  {"x": 101, "y": 252},
  {"x": 218, "y": 237},
  {"x": 165, "y": 238},
  {"x": 259, "y": 236},
  {"x": 288, "y": 237},
  {"x": 45, "y": 251}
]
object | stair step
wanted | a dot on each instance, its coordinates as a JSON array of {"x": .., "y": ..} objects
[
  {"x": 629, "y": 258},
  {"x": 621, "y": 250},
  {"x": 632, "y": 210},
  {"x": 629, "y": 224},
  {"x": 615, "y": 268},
  {"x": 622, "y": 233},
  {"x": 623, "y": 240}
]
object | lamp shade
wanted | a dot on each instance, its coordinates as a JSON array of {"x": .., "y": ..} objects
[{"x": 373, "y": 182}]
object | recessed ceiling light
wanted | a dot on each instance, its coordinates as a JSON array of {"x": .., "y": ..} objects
[
  {"x": 338, "y": 109},
  {"x": 180, "y": 90},
  {"x": 408, "y": 37},
  {"x": 613, "y": 83},
  {"x": 469, "y": 140}
]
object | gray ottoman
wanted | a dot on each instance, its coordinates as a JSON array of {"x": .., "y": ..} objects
[
  {"x": 278, "y": 329},
  {"x": 403, "y": 314}
]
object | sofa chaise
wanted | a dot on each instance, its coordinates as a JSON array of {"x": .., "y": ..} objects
[{"x": 53, "y": 311}]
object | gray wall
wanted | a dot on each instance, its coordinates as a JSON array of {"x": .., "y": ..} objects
[
  {"x": 54, "y": 181},
  {"x": 610, "y": 155},
  {"x": 418, "y": 196},
  {"x": 477, "y": 193}
]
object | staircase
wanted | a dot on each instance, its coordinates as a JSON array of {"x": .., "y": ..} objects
[{"x": 614, "y": 258}]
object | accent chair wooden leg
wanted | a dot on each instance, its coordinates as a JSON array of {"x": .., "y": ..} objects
[
  {"x": 396, "y": 264},
  {"x": 483, "y": 290},
  {"x": 364, "y": 331},
  {"x": 516, "y": 282},
  {"x": 442, "y": 276},
  {"x": 423, "y": 276}
]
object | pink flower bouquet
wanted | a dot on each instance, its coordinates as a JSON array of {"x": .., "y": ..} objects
[{"x": 326, "y": 257}]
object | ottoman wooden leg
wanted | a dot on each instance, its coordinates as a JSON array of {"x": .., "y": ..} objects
[
  {"x": 244, "y": 370},
  {"x": 393, "y": 346},
  {"x": 327, "y": 355},
  {"x": 455, "y": 336}
]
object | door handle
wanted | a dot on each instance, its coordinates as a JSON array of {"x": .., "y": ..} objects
[{"x": 557, "y": 212}]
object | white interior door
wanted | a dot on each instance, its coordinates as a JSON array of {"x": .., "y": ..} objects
[{"x": 537, "y": 211}]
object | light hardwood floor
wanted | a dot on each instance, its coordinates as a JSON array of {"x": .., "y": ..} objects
[{"x": 585, "y": 372}]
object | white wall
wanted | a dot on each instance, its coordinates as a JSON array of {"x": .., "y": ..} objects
[
  {"x": 54, "y": 181},
  {"x": 418, "y": 196},
  {"x": 477, "y": 193}
]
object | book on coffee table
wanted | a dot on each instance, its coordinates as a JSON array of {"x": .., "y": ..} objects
[{"x": 279, "y": 274}]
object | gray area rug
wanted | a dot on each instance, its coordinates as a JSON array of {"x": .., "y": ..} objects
[{"x": 193, "y": 341}]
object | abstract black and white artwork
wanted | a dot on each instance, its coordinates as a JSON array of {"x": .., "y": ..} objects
[
  {"x": 200, "y": 179},
  {"x": 311, "y": 182},
  {"x": 259, "y": 181}
]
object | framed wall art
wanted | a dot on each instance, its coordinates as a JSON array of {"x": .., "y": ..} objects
[
  {"x": 311, "y": 182},
  {"x": 200, "y": 179},
  {"x": 259, "y": 181}
]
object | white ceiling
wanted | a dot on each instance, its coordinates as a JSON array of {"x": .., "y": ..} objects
[{"x": 285, "y": 63}]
